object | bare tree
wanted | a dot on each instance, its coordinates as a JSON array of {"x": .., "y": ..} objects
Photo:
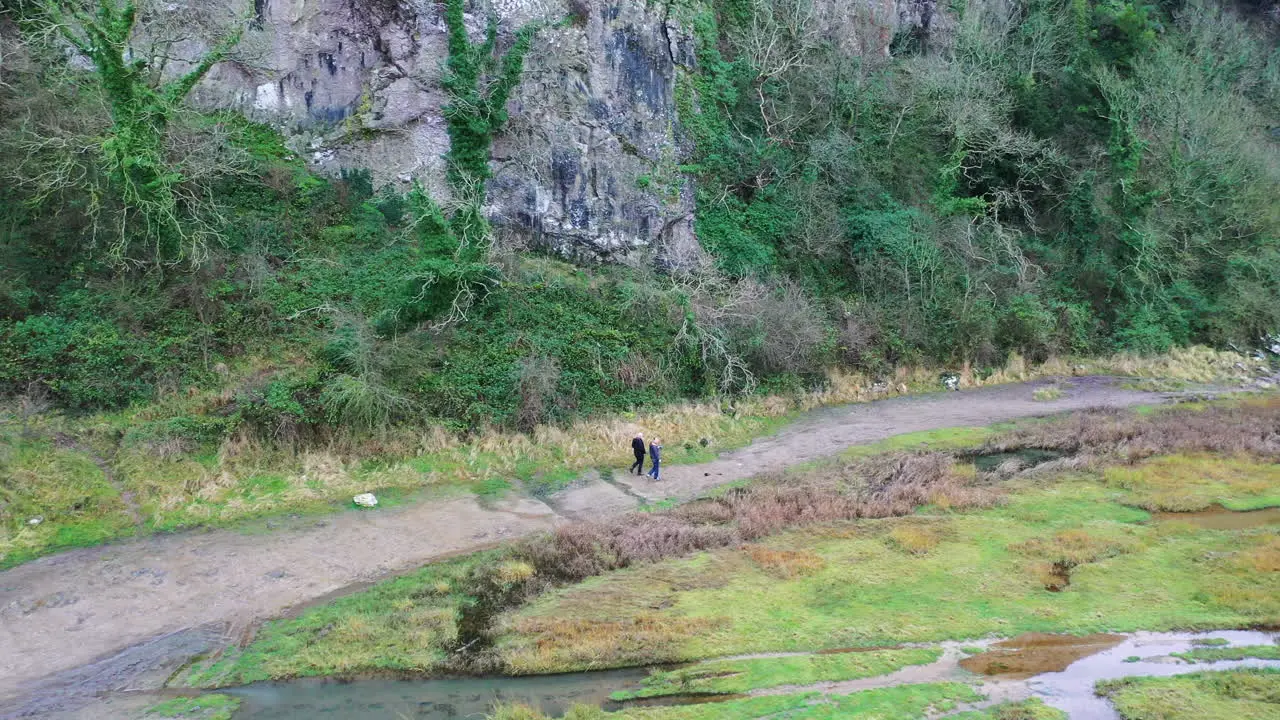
[
  {"x": 781, "y": 40},
  {"x": 146, "y": 173},
  {"x": 741, "y": 328}
]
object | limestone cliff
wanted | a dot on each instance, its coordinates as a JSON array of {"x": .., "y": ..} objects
[{"x": 588, "y": 164}]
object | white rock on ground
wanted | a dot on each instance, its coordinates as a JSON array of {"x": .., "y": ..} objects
[{"x": 365, "y": 500}]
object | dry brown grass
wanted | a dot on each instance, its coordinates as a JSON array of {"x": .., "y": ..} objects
[
  {"x": 1076, "y": 547},
  {"x": 593, "y": 644},
  {"x": 784, "y": 564},
  {"x": 867, "y": 488},
  {"x": 1054, "y": 558},
  {"x": 1264, "y": 558},
  {"x": 913, "y": 539},
  {"x": 1250, "y": 428}
]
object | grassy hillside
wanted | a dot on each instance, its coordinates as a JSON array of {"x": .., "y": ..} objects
[{"x": 188, "y": 315}]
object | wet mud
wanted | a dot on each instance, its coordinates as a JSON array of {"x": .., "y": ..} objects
[{"x": 1033, "y": 654}]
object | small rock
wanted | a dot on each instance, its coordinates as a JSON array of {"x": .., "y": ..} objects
[
  {"x": 35, "y": 520},
  {"x": 276, "y": 574},
  {"x": 365, "y": 500}
]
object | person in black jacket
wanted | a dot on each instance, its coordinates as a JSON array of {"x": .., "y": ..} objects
[{"x": 637, "y": 447}]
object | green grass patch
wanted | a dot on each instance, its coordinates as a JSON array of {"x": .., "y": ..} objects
[
  {"x": 548, "y": 481},
  {"x": 400, "y": 625},
  {"x": 1210, "y": 642},
  {"x": 492, "y": 487},
  {"x": 1214, "y": 654},
  {"x": 1047, "y": 394},
  {"x": 983, "y": 575},
  {"x": 1247, "y": 694},
  {"x": 204, "y": 707},
  {"x": 62, "y": 488},
  {"x": 256, "y": 486},
  {"x": 659, "y": 506},
  {"x": 1191, "y": 482},
  {"x": 739, "y": 676},
  {"x": 1032, "y": 709}
]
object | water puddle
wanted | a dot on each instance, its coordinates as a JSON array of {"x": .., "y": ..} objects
[
  {"x": 1033, "y": 654},
  {"x": 435, "y": 699},
  {"x": 1071, "y": 689},
  {"x": 1015, "y": 460},
  {"x": 1220, "y": 518}
]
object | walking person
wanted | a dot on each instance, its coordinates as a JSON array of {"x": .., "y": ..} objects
[
  {"x": 637, "y": 447},
  {"x": 655, "y": 458}
]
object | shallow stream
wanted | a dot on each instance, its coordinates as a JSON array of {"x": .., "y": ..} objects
[
  {"x": 435, "y": 699},
  {"x": 1060, "y": 670}
]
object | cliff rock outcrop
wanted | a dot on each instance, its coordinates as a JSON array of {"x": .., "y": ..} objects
[{"x": 588, "y": 164}]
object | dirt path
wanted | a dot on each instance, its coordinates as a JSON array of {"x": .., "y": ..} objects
[
  {"x": 80, "y": 621},
  {"x": 830, "y": 430}
]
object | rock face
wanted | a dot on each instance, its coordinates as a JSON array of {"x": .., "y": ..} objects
[{"x": 588, "y": 164}]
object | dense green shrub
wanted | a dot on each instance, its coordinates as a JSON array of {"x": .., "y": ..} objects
[{"x": 86, "y": 364}]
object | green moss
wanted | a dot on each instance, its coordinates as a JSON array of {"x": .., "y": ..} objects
[
  {"x": 204, "y": 707},
  {"x": 1214, "y": 654},
  {"x": 1228, "y": 695}
]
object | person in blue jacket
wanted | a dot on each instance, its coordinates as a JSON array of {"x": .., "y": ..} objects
[{"x": 655, "y": 458}]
